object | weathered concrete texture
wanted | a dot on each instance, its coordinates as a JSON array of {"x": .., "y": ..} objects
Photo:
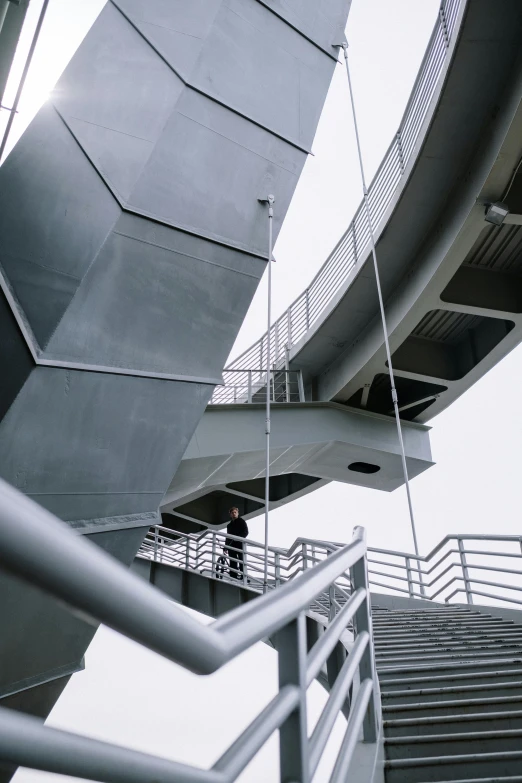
[{"x": 131, "y": 244}]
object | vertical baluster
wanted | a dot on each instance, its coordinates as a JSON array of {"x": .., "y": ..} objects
[
  {"x": 293, "y": 742},
  {"x": 410, "y": 576},
  {"x": 187, "y": 553},
  {"x": 465, "y": 572},
  {"x": 277, "y": 569},
  {"x": 304, "y": 555},
  {"x": 155, "y": 543},
  {"x": 214, "y": 547},
  {"x": 399, "y": 149},
  {"x": 363, "y": 622},
  {"x": 250, "y": 386}
]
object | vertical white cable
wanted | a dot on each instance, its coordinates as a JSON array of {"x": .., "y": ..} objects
[
  {"x": 383, "y": 316},
  {"x": 270, "y": 200}
]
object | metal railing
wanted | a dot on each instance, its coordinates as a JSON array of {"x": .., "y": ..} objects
[
  {"x": 39, "y": 549},
  {"x": 459, "y": 564},
  {"x": 245, "y": 561},
  {"x": 354, "y": 244},
  {"x": 249, "y": 386}
]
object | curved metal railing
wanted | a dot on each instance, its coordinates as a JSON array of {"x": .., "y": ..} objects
[
  {"x": 296, "y": 321},
  {"x": 38, "y": 548}
]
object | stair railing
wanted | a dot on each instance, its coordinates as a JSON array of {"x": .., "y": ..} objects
[
  {"x": 204, "y": 549},
  {"x": 39, "y": 549},
  {"x": 453, "y": 568}
]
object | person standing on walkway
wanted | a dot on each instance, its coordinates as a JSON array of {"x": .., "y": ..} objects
[{"x": 236, "y": 549}]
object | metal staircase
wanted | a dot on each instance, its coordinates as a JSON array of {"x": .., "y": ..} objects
[{"x": 451, "y": 689}]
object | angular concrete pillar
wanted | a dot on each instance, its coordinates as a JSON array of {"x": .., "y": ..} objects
[{"x": 132, "y": 241}]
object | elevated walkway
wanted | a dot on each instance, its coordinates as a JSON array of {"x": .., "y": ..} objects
[
  {"x": 451, "y": 282},
  {"x": 311, "y": 444}
]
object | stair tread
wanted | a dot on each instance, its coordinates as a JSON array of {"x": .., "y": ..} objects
[
  {"x": 458, "y": 758},
  {"x": 457, "y": 737},
  {"x": 460, "y": 675},
  {"x": 478, "y": 716},
  {"x": 509, "y": 779},
  {"x": 453, "y": 702},
  {"x": 490, "y": 686}
]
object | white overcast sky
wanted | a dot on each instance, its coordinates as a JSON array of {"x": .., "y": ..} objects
[{"x": 132, "y": 697}]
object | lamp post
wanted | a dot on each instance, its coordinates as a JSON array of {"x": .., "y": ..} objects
[{"x": 270, "y": 201}]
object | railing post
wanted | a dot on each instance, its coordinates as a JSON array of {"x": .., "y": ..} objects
[
  {"x": 287, "y": 373},
  {"x": 399, "y": 149},
  {"x": 301, "y": 385},
  {"x": 245, "y": 563},
  {"x": 249, "y": 386},
  {"x": 214, "y": 554},
  {"x": 465, "y": 572},
  {"x": 363, "y": 622},
  {"x": 331, "y": 599},
  {"x": 187, "y": 553},
  {"x": 293, "y": 742},
  {"x": 444, "y": 24},
  {"x": 307, "y": 295},
  {"x": 277, "y": 574},
  {"x": 155, "y": 543},
  {"x": 410, "y": 577},
  {"x": 304, "y": 555}
]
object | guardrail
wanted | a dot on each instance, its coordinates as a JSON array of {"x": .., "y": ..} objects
[
  {"x": 451, "y": 568},
  {"x": 353, "y": 245},
  {"x": 245, "y": 561},
  {"x": 446, "y": 576},
  {"x": 39, "y": 549},
  {"x": 249, "y": 386}
]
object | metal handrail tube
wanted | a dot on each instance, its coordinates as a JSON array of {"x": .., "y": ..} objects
[
  {"x": 326, "y": 643},
  {"x": 236, "y": 758},
  {"x": 336, "y": 698},
  {"x": 485, "y": 595},
  {"x": 88, "y": 579},
  {"x": 291, "y": 597},
  {"x": 26, "y": 742},
  {"x": 351, "y": 735},
  {"x": 389, "y": 587}
]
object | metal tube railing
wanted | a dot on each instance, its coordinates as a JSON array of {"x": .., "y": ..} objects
[
  {"x": 329, "y": 281},
  {"x": 41, "y": 550}
]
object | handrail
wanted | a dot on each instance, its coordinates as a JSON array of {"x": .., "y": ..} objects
[
  {"x": 38, "y": 548},
  {"x": 350, "y": 250}
]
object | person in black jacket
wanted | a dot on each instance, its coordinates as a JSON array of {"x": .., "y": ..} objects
[{"x": 235, "y": 549}]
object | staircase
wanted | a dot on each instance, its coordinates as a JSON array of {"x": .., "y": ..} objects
[{"x": 451, "y": 686}]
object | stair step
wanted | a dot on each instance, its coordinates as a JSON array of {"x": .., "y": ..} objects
[
  {"x": 458, "y": 691},
  {"x": 454, "y": 724},
  {"x": 469, "y": 655},
  {"x": 457, "y": 645},
  {"x": 438, "y": 769},
  {"x": 449, "y": 623},
  {"x": 452, "y": 707},
  {"x": 509, "y": 779},
  {"x": 494, "y": 677},
  {"x": 447, "y": 667},
  {"x": 456, "y": 743},
  {"x": 436, "y": 640}
]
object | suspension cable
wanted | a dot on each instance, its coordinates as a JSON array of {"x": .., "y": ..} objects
[{"x": 395, "y": 399}]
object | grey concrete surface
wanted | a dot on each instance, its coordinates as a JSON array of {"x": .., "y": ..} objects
[{"x": 131, "y": 244}]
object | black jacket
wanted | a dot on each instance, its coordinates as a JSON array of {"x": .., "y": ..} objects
[{"x": 238, "y": 527}]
